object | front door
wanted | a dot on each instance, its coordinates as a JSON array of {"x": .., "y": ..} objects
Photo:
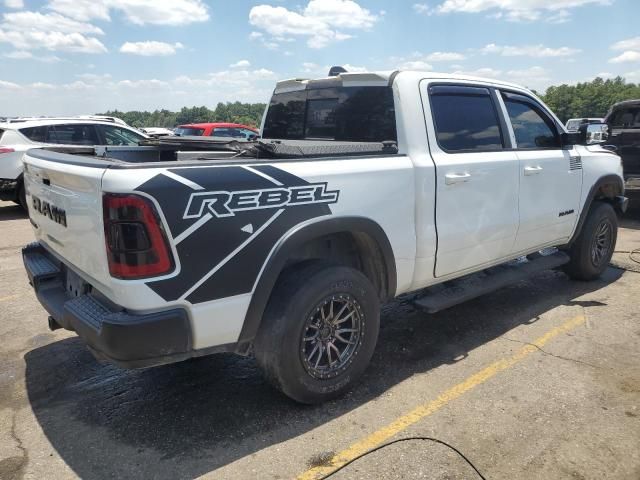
[{"x": 550, "y": 175}]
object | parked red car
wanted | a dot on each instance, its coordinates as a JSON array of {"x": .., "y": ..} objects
[{"x": 233, "y": 130}]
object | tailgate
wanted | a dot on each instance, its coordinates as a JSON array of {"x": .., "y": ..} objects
[{"x": 65, "y": 208}]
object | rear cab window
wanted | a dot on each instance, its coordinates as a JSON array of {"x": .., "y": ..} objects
[
  {"x": 348, "y": 114},
  {"x": 465, "y": 119},
  {"x": 626, "y": 118}
]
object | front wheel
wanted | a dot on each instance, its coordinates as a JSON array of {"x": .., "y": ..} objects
[
  {"x": 592, "y": 251},
  {"x": 319, "y": 331}
]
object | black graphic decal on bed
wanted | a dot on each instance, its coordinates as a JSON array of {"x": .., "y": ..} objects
[{"x": 225, "y": 222}]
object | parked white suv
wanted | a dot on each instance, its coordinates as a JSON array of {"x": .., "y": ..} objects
[{"x": 22, "y": 134}]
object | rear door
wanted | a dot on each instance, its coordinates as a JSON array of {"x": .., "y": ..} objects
[
  {"x": 550, "y": 177},
  {"x": 476, "y": 177},
  {"x": 624, "y": 130}
]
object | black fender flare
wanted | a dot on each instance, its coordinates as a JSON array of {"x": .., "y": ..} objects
[
  {"x": 294, "y": 239},
  {"x": 618, "y": 201}
]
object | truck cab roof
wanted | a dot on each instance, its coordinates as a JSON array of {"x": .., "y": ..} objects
[{"x": 379, "y": 78}]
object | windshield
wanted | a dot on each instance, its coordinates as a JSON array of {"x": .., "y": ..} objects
[
  {"x": 186, "y": 131},
  {"x": 350, "y": 114}
]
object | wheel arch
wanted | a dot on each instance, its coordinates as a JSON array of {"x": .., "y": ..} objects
[
  {"x": 367, "y": 234},
  {"x": 608, "y": 188}
]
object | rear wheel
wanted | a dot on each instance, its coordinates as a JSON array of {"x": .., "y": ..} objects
[
  {"x": 319, "y": 331},
  {"x": 592, "y": 251}
]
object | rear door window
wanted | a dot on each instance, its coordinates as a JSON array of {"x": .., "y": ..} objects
[
  {"x": 349, "y": 114},
  {"x": 73, "y": 134},
  {"x": 465, "y": 119},
  {"x": 120, "y": 136},
  {"x": 533, "y": 128}
]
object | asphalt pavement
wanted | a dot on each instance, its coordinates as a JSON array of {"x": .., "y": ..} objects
[{"x": 540, "y": 380}]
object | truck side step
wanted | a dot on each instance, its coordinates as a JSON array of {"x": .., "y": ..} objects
[{"x": 448, "y": 294}]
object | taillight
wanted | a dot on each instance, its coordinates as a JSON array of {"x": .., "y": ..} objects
[
  {"x": 137, "y": 245},
  {"x": 6, "y": 150}
]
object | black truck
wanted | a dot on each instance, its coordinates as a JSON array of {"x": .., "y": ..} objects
[{"x": 623, "y": 121}]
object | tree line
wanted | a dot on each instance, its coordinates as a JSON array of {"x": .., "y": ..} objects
[
  {"x": 587, "y": 99},
  {"x": 236, "y": 112}
]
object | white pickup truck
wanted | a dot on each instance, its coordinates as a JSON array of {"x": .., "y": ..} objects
[{"x": 364, "y": 186}]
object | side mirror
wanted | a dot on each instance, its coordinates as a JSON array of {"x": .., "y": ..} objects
[{"x": 594, "y": 133}]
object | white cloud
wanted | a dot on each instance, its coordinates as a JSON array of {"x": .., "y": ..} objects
[
  {"x": 537, "y": 72},
  {"x": 630, "y": 50},
  {"x": 628, "y": 56},
  {"x": 420, "y": 61},
  {"x": 445, "y": 57},
  {"x": 151, "y": 48},
  {"x": 519, "y": 10},
  {"x": 54, "y": 41},
  {"x": 24, "y": 55},
  {"x": 486, "y": 72},
  {"x": 241, "y": 64},
  {"x": 534, "y": 51},
  {"x": 145, "y": 84},
  {"x": 47, "y": 22},
  {"x": 415, "y": 65},
  {"x": 4, "y": 85},
  {"x": 628, "y": 44},
  {"x": 18, "y": 55},
  {"x": 340, "y": 14},
  {"x": 17, "y": 4},
  {"x": 139, "y": 12},
  {"x": 94, "y": 77},
  {"x": 423, "y": 9},
  {"x": 319, "y": 22},
  {"x": 33, "y": 30},
  {"x": 353, "y": 68},
  {"x": 533, "y": 77}
]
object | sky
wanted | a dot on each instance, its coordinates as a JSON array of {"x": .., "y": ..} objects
[{"x": 67, "y": 57}]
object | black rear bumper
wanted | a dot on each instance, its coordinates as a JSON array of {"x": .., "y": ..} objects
[{"x": 111, "y": 333}]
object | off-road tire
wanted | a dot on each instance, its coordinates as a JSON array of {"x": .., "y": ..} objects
[
  {"x": 599, "y": 232},
  {"x": 280, "y": 343}
]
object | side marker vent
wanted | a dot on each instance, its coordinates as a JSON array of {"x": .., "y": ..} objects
[{"x": 575, "y": 163}]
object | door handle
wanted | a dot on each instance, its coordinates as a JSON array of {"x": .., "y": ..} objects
[
  {"x": 451, "y": 178},
  {"x": 532, "y": 170}
]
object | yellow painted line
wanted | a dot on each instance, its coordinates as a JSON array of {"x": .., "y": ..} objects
[
  {"x": 426, "y": 409},
  {"x": 10, "y": 297}
]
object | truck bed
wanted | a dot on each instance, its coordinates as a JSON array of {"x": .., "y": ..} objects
[{"x": 194, "y": 149}]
